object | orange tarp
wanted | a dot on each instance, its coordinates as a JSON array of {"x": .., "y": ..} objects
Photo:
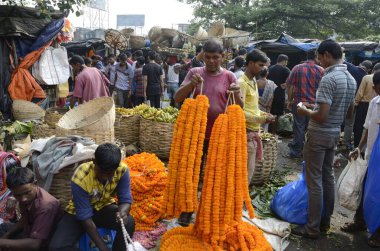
[{"x": 23, "y": 85}]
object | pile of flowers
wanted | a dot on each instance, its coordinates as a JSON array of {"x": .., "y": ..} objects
[{"x": 148, "y": 182}]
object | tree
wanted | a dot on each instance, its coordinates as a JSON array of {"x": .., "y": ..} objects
[
  {"x": 47, "y": 6},
  {"x": 350, "y": 19}
]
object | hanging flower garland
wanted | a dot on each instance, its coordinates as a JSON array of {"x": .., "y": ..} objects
[
  {"x": 185, "y": 157},
  {"x": 225, "y": 191}
]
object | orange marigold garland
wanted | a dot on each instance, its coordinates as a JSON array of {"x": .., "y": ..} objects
[
  {"x": 148, "y": 183},
  {"x": 185, "y": 157},
  {"x": 175, "y": 154},
  {"x": 203, "y": 109},
  {"x": 219, "y": 218}
]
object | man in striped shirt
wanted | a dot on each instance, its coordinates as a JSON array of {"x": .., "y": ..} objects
[
  {"x": 334, "y": 102},
  {"x": 303, "y": 83}
]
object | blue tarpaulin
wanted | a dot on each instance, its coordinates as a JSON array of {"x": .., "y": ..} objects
[
  {"x": 25, "y": 46},
  {"x": 305, "y": 46}
]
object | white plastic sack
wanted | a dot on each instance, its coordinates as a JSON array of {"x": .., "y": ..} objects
[
  {"x": 276, "y": 232},
  {"x": 53, "y": 66},
  {"x": 136, "y": 247},
  {"x": 165, "y": 104},
  {"x": 350, "y": 184}
]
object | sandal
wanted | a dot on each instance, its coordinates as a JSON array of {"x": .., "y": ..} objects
[
  {"x": 353, "y": 227},
  {"x": 374, "y": 242},
  {"x": 184, "y": 219}
]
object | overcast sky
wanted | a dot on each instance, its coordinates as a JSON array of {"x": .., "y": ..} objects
[{"x": 164, "y": 13}]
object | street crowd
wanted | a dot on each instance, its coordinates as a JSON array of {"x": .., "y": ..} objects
[{"x": 325, "y": 94}]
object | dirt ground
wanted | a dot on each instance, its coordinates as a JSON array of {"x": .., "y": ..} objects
[{"x": 335, "y": 240}]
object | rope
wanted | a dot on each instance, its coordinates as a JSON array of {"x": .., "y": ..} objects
[
  {"x": 201, "y": 91},
  {"x": 126, "y": 235},
  {"x": 228, "y": 100}
]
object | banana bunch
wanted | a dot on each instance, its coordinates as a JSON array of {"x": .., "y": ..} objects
[
  {"x": 266, "y": 136},
  {"x": 167, "y": 115}
]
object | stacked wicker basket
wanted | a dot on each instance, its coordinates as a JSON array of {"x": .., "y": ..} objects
[
  {"x": 263, "y": 168},
  {"x": 152, "y": 136},
  {"x": 156, "y": 137},
  {"x": 127, "y": 128}
]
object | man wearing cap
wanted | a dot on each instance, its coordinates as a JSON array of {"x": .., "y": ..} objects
[{"x": 90, "y": 83}]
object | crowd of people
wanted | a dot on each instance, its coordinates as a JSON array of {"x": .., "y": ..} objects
[
  {"x": 323, "y": 93},
  {"x": 131, "y": 78}
]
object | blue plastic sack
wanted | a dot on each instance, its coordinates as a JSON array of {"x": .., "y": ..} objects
[
  {"x": 290, "y": 203},
  {"x": 86, "y": 244},
  {"x": 372, "y": 189}
]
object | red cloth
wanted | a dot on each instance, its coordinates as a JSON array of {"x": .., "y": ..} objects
[
  {"x": 23, "y": 85},
  {"x": 259, "y": 146}
]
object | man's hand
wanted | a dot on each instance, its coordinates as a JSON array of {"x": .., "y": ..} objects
[
  {"x": 270, "y": 118},
  {"x": 290, "y": 105},
  {"x": 303, "y": 111},
  {"x": 123, "y": 212},
  {"x": 354, "y": 154},
  {"x": 308, "y": 105},
  {"x": 234, "y": 88},
  {"x": 196, "y": 79},
  {"x": 130, "y": 94}
]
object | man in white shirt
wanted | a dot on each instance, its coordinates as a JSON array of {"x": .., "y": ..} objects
[
  {"x": 172, "y": 79},
  {"x": 239, "y": 63},
  {"x": 371, "y": 130}
]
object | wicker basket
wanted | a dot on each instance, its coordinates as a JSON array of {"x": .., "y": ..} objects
[
  {"x": 95, "y": 115},
  {"x": 127, "y": 129},
  {"x": 154, "y": 33},
  {"x": 263, "y": 168},
  {"x": 53, "y": 115},
  {"x": 169, "y": 33},
  {"x": 156, "y": 137},
  {"x": 24, "y": 110},
  {"x": 136, "y": 42},
  {"x": 115, "y": 39},
  {"x": 61, "y": 184},
  {"x": 100, "y": 137}
]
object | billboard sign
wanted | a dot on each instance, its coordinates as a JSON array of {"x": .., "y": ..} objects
[{"x": 130, "y": 20}]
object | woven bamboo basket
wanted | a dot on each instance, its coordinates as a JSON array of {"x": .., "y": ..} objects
[
  {"x": 169, "y": 33},
  {"x": 24, "y": 110},
  {"x": 100, "y": 137},
  {"x": 127, "y": 129},
  {"x": 263, "y": 168},
  {"x": 53, "y": 115},
  {"x": 136, "y": 42},
  {"x": 95, "y": 115},
  {"x": 154, "y": 33},
  {"x": 156, "y": 137},
  {"x": 61, "y": 184}
]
